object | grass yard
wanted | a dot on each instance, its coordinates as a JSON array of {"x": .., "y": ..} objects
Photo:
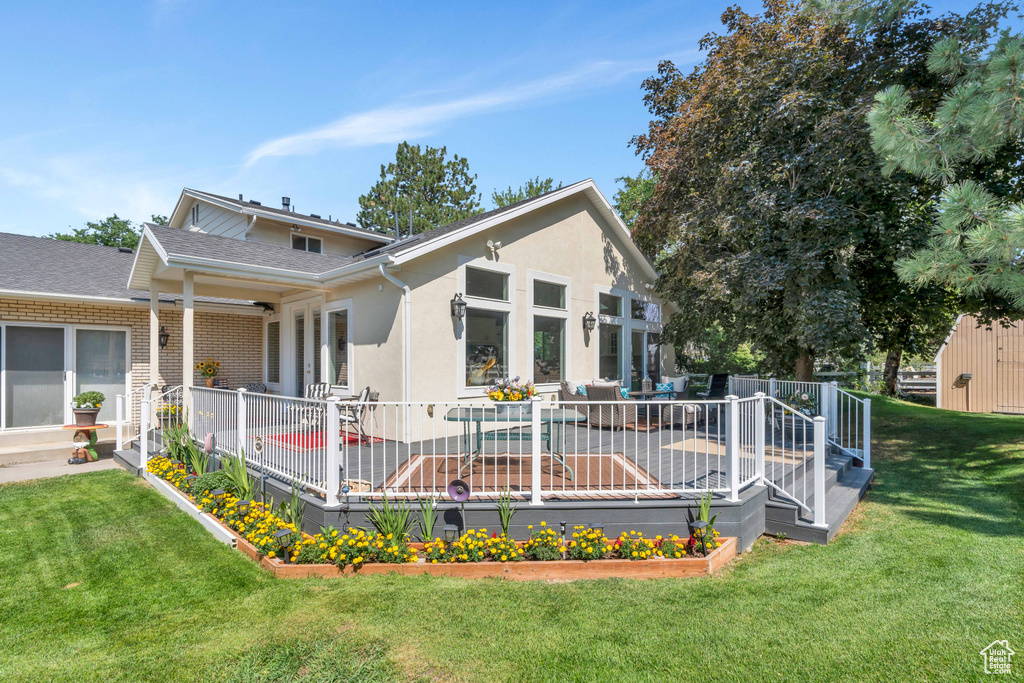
[{"x": 103, "y": 579}]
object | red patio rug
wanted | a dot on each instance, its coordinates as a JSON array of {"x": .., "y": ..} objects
[{"x": 308, "y": 441}]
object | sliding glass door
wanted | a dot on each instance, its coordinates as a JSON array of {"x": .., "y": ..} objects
[
  {"x": 101, "y": 364},
  {"x": 34, "y": 392},
  {"x": 43, "y": 367}
]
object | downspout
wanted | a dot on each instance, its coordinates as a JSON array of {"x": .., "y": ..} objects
[
  {"x": 407, "y": 329},
  {"x": 245, "y": 235}
]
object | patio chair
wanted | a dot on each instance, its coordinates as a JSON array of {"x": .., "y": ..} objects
[
  {"x": 683, "y": 414},
  {"x": 603, "y": 415},
  {"x": 717, "y": 386},
  {"x": 309, "y": 415},
  {"x": 353, "y": 411},
  {"x": 570, "y": 398}
]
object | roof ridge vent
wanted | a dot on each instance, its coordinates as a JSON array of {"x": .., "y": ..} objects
[
  {"x": 126, "y": 250},
  {"x": 253, "y": 201}
]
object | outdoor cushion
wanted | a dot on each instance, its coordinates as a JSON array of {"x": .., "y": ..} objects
[
  {"x": 664, "y": 386},
  {"x": 624, "y": 391},
  {"x": 678, "y": 383},
  {"x": 581, "y": 390}
]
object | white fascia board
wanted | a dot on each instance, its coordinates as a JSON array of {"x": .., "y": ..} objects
[
  {"x": 144, "y": 239},
  {"x": 344, "y": 271},
  {"x": 949, "y": 336},
  {"x": 233, "y": 268},
  {"x": 121, "y": 301},
  {"x": 588, "y": 187}
]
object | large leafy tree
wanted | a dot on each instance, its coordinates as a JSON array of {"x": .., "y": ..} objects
[
  {"x": 113, "y": 231},
  {"x": 534, "y": 187},
  {"x": 629, "y": 199},
  {"x": 771, "y": 215},
  {"x": 424, "y": 184}
]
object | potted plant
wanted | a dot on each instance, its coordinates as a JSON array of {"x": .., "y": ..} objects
[
  {"x": 511, "y": 391},
  {"x": 86, "y": 406},
  {"x": 208, "y": 368}
]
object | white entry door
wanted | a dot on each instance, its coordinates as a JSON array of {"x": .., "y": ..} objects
[{"x": 303, "y": 353}]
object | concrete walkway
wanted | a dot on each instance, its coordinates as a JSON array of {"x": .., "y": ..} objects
[{"x": 53, "y": 468}]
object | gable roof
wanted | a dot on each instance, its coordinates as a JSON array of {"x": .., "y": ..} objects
[
  {"x": 40, "y": 267},
  {"x": 249, "y": 208},
  {"x": 429, "y": 240},
  {"x": 234, "y": 258}
]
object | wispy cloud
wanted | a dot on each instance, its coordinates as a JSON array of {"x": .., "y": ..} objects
[{"x": 399, "y": 122}]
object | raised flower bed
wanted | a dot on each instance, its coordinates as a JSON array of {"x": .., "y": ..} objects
[{"x": 280, "y": 548}]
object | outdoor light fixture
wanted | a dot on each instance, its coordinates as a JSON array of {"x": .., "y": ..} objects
[
  {"x": 699, "y": 527},
  {"x": 191, "y": 478},
  {"x": 589, "y": 321},
  {"x": 243, "y": 507},
  {"x": 451, "y": 532},
  {"x": 458, "y": 307},
  {"x": 164, "y": 337},
  {"x": 217, "y": 493},
  {"x": 284, "y": 541}
]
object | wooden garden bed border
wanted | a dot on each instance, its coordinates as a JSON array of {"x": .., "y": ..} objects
[{"x": 526, "y": 570}]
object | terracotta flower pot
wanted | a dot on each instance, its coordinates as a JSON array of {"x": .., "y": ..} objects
[
  {"x": 209, "y": 382},
  {"x": 85, "y": 417}
]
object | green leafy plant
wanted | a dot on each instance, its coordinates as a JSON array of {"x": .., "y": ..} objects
[
  {"x": 505, "y": 510},
  {"x": 428, "y": 517},
  {"x": 211, "y": 481},
  {"x": 588, "y": 544},
  {"x": 242, "y": 484},
  {"x": 88, "y": 400},
  {"x": 391, "y": 518},
  {"x": 291, "y": 510},
  {"x": 705, "y": 509}
]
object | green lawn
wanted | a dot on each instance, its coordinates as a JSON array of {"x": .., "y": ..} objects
[{"x": 103, "y": 579}]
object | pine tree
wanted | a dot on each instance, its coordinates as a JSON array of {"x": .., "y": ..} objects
[{"x": 977, "y": 244}]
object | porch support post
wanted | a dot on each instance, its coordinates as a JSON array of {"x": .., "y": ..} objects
[
  {"x": 824, "y": 403},
  {"x": 759, "y": 421},
  {"x": 732, "y": 445},
  {"x": 188, "y": 361},
  {"x": 820, "y": 520},
  {"x": 154, "y": 335},
  {"x": 119, "y": 406},
  {"x": 535, "y": 455}
]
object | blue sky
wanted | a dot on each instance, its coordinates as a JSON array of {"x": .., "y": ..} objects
[{"x": 116, "y": 109}]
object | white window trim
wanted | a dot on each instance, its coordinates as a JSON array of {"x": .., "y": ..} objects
[
  {"x": 628, "y": 325},
  {"x": 275, "y": 318},
  {"x": 482, "y": 263},
  {"x": 70, "y": 364},
  {"x": 334, "y": 307},
  {"x": 296, "y": 233},
  {"x": 546, "y": 312}
]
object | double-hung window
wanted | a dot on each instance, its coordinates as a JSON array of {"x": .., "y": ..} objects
[
  {"x": 549, "y": 312},
  {"x": 488, "y": 341}
]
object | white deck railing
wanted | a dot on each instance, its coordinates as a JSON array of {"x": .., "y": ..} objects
[{"x": 538, "y": 451}]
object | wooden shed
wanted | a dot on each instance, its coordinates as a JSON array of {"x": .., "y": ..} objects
[{"x": 981, "y": 369}]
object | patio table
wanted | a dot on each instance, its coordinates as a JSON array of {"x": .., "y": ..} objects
[{"x": 552, "y": 422}]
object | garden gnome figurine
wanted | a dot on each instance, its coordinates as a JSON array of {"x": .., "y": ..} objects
[{"x": 84, "y": 443}]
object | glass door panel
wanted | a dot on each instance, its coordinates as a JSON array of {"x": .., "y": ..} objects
[
  {"x": 34, "y": 369},
  {"x": 101, "y": 365},
  {"x": 300, "y": 352},
  {"x": 637, "y": 352}
]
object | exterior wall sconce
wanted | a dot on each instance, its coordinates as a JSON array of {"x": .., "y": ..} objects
[
  {"x": 589, "y": 321},
  {"x": 458, "y": 307},
  {"x": 164, "y": 337}
]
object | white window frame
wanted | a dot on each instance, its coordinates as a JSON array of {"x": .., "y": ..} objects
[
  {"x": 307, "y": 238},
  {"x": 628, "y": 325},
  {"x": 70, "y": 364},
  {"x": 547, "y": 312},
  {"x": 509, "y": 307},
  {"x": 274, "y": 318},
  {"x": 334, "y": 307}
]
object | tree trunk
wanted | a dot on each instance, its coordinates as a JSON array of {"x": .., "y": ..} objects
[
  {"x": 805, "y": 367},
  {"x": 891, "y": 371}
]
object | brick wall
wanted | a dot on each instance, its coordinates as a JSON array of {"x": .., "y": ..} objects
[{"x": 235, "y": 340}]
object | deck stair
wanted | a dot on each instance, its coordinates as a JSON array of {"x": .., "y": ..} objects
[{"x": 845, "y": 485}]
